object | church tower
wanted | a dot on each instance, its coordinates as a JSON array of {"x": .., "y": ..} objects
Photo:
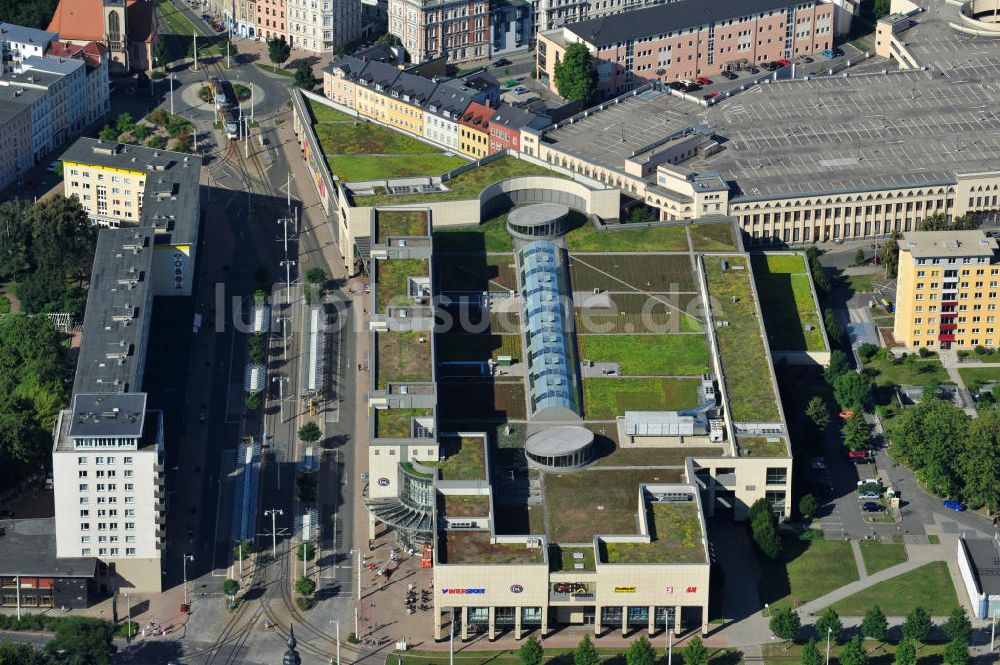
[{"x": 116, "y": 31}]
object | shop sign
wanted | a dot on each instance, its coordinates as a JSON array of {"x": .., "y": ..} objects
[
  {"x": 454, "y": 592},
  {"x": 571, "y": 588},
  {"x": 516, "y": 588},
  {"x": 383, "y": 482},
  {"x": 670, "y": 589},
  {"x": 624, "y": 589},
  {"x": 692, "y": 589}
]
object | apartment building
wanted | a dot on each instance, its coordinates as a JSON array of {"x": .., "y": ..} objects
[
  {"x": 458, "y": 29},
  {"x": 246, "y": 14},
  {"x": 946, "y": 290},
  {"x": 687, "y": 39},
  {"x": 18, "y": 43},
  {"x": 508, "y": 122},
  {"x": 271, "y": 20},
  {"x": 67, "y": 91},
  {"x": 474, "y": 130},
  {"x": 95, "y": 57},
  {"x": 16, "y": 151},
  {"x": 511, "y": 27},
  {"x": 323, "y": 25}
]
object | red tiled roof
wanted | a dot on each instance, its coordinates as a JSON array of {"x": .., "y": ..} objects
[
  {"x": 90, "y": 52},
  {"x": 83, "y": 20},
  {"x": 477, "y": 116}
]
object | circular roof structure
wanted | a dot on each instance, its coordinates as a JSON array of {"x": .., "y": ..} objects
[
  {"x": 537, "y": 214},
  {"x": 559, "y": 441}
]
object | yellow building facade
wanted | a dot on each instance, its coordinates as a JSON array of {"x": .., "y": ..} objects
[
  {"x": 947, "y": 290},
  {"x": 109, "y": 195}
]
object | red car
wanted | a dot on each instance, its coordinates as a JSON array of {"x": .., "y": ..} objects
[
  {"x": 711, "y": 95},
  {"x": 783, "y": 62},
  {"x": 217, "y": 27},
  {"x": 704, "y": 80},
  {"x": 858, "y": 455}
]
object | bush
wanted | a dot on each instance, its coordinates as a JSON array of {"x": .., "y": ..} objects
[
  {"x": 307, "y": 487},
  {"x": 157, "y": 142},
  {"x": 867, "y": 351},
  {"x": 305, "y": 603},
  {"x": 108, "y": 133},
  {"x": 808, "y": 506},
  {"x": 309, "y": 548},
  {"x": 316, "y": 276},
  {"x": 310, "y": 433},
  {"x": 127, "y": 629},
  {"x": 230, "y": 587},
  {"x": 925, "y": 352},
  {"x": 353, "y": 639},
  {"x": 205, "y": 94},
  {"x": 158, "y": 76},
  {"x": 305, "y": 586},
  {"x": 253, "y": 401},
  {"x": 140, "y": 132},
  {"x": 980, "y": 350},
  {"x": 241, "y": 91},
  {"x": 257, "y": 348},
  {"x": 242, "y": 551}
]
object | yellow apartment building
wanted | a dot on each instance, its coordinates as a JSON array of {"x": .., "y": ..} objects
[
  {"x": 474, "y": 130},
  {"x": 947, "y": 290},
  {"x": 109, "y": 194}
]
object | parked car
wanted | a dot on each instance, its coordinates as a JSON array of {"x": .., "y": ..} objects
[
  {"x": 831, "y": 53},
  {"x": 502, "y": 62},
  {"x": 51, "y": 168},
  {"x": 704, "y": 80},
  {"x": 805, "y": 59},
  {"x": 859, "y": 456},
  {"x": 729, "y": 75},
  {"x": 952, "y": 504},
  {"x": 754, "y": 70},
  {"x": 871, "y": 507},
  {"x": 869, "y": 495},
  {"x": 217, "y": 27},
  {"x": 711, "y": 95},
  {"x": 784, "y": 63},
  {"x": 817, "y": 463},
  {"x": 846, "y": 414},
  {"x": 676, "y": 85},
  {"x": 771, "y": 66},
  {"x": 206, "y": 18}
]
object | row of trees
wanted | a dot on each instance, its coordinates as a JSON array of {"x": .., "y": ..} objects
[
  {"x": 786, "y": 624},
  {"x": 951, "y": 454},
  {"x": 639, "y": 652},
  {"x": 47, "y": 250},
  {"x": 77, "y": 641}
]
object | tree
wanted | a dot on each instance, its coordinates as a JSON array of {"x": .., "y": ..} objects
[
  {"x": 818, "y": 412},
  {"x": 978, "y": 463},
  {"x": 874, "y": 626},
  {"x": 140, "y": 132},
  {"x": 15, "y": 238},
  {"x": 304, "y": 77},
  {"x": 839, "y": 365},
  {"x": 859, "y": 257},
  {"x": 315, "y": 275},
  {"x": 305, "y": 586},
  {"x": 531, "y": 652},
  {"x": 108, "y": 133},
  {"x": 640, "y": 652},
  {"x": 957, "y": 652},
  {"x": 867, "y": 351},
  {"x": 810, "y": 654},
  {"x": 389, "y": 39},
  {"x": 765, "y": 536},
  {"x": 253, "y": 401},
  {"x": 160, "y": 57},
  {"x": 124, "y": 122},
  {"x": 230, "y": 587},
  {"x": 958, "y": 626},
  {"x": 576, "y": 78},
  {"x": 20, "y": 654},
  {"x": 881, "y": 8},
  {"x": 310, "y": 433},
  {"x": 917, "y": 625},
  {"x": 929, "y": 438},
  {"x": 852, "y": 390},
  {"x": 585, "y": 653},
  {"x": 81, "y": 641},
  {"x": 306, "y": 551},
  {"x": 853, "y": 653},
  {"x": 808, "y": 506},
  {"x": 906, "y": 652},
  {"x": 890, "y": 254},
  {"x": 278, "y": 50},
  {"x": 785, "y": 623},
  {"x": 62, "y": 238},
  {"x": 830, "y": 622},
  {"x": 857, "y": 432},
  {"x": 242, "y": 551},
  {"x": 696, "y": 653},
  {"x": 833, "y": 330}
]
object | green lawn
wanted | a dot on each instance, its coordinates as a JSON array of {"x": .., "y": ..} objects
[
  {"x": 400, "y": 224},
  {"x": 354, "y": 168},
  {"x": 323, "y": 113},
  {"x": 879, "y": 556},
  {"x": 177, "y": 22},
  {"x": 787, "y": 303},
  {"x": 810, "y": 567},
  {"x": 395, "y": 423},
  {"x": 468, "y": 185},
  {"x": 402, "y": 358},
  {"x": 862, "y": 283},
  {"x": 367, "y": 138},
  {"x": 464, "y": 347},
  {"x": 490, "y": 236},
  {"x": 607, "y": 398},
  {"x": 393, "y": 277},
  {"x": 783, "y": 653},
  {"x": 663, "y": 355},
  {"x": 744, "y": 358},
  {"x": 585, "y": 238},
  {"x": 463, "y": 459},
  {"x": 762, "y": 446},
  {"x": 913, "y": 371},
  {"x": 677, "y": 538},
  {"x": 275, "y": 70},
  {"x": 972, "y": 376},
  {"x": 929, "y": 586},
  {"x": 712, "y": 237}
]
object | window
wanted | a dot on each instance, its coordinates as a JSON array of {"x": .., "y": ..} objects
[
  {"x": 84, "y": 526},
  {"x": 84, "y": 513},
  {"x": 81, "y": 460},
  {"x": 777, "y": 476}
]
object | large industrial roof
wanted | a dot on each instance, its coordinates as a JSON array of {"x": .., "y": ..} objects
[
  {"x": 814, "y": 137},
  {"x": 552, "y": 376}
]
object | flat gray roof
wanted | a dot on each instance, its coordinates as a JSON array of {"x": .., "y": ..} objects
[
  {"x": 28, "y": 547},
  {"x": 934, "y": 43},
  {"x": 171, "y": 199},
  {"x": 810, "y": 137},
  {"x": 933, "y": 244},
  {"x": 22, "y": 35},
  {"x": 985, "y": 558},
  {"x": 115, "y": 415},
  {"x": 116, "y": 321},
  {"x": 555, "y": 441},
  {"x": 53, "y": 64}
]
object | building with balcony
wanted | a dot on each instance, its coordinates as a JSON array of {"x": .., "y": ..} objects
[
  {"x": 18, "y": 43},
  {"x": 511, "y": 27},
  {"x": 321, "y": 26},
  {"x": 457, "y": 29},
  {"x": 947, "y": 290}
]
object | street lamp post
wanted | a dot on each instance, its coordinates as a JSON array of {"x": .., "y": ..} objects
[
  {"x": 288, "y": 263},
  {"x": 186, "y": 558},
  {"x": 829, "y": 631},
  {"x": 274, "y": 512},
  {"x": 128, "y": 612},
  {"x": 195, "y": 37},
  {"x": 171, "y": 93},
  {"x": 337, "y": 621},
  {"x": 280, "y": 380}
]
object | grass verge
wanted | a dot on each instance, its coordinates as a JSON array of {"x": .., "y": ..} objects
[{"x": 929, "y": 586}]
